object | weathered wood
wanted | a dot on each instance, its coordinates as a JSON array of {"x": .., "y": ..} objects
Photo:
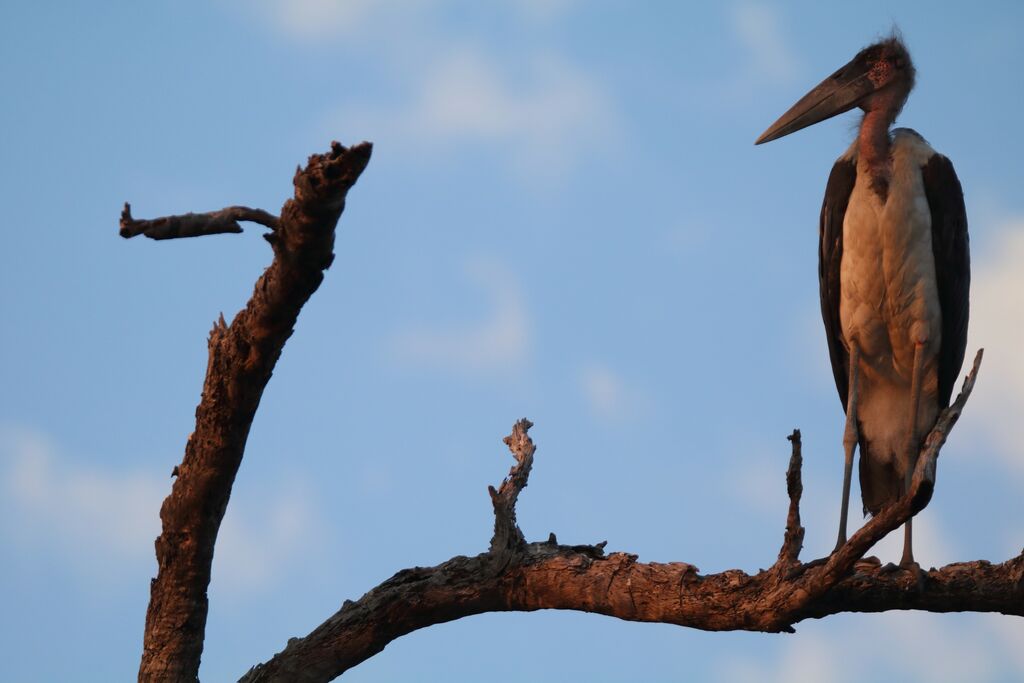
[
  {"x": 534, "y": 576},
  {"x": 242, "y": 356},
  {"x": 194, "y": 224},
  {"x": 793, "y": 541},
  {"x": 512, "y": 575}
]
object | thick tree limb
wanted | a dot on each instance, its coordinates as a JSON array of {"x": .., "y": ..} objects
[
  {"x": 533, "y": 576},
  {"x": 194, "y": 224},
  {"x": 242, "y": 358}
]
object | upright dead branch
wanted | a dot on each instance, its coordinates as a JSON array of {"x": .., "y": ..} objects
[
  {"x": 794, "y": 538},
  {"x": 242, "y": 358},
  {"x": 507, "y": 535}
]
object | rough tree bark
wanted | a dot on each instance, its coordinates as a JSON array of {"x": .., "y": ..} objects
[
  {"x": 242, "y": 358},
  {"x": 513, "y": 574}
]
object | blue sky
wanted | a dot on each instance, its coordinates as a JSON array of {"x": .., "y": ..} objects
[{"x": 565, "y": 218}]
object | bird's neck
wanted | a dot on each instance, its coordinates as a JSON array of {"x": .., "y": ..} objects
[{"x": 873, "y": 147}]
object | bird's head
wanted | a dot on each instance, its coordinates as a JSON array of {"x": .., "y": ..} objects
[{"x": 879, "y": 77}]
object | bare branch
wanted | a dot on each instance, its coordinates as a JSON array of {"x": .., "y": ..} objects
[
  {"x": 507, "y": 535},
  {"x": 562, "y": 577},
  {"x": 794, "y": 539},
  {"x": 547, "y": 575},
  {"x": 194, "y": 224},
  {"x": 242, "y": 358}
]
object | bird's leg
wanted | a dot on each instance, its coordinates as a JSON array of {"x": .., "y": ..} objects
[
  {"x": 913, "y": 446},
  {"x": 850, "y": 438}
]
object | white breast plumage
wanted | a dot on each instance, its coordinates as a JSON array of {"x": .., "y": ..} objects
[{"x": 889, "y": 299}]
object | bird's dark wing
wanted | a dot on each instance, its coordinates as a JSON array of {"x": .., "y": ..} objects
[
  {"x": 951, "y": 247},
  {"x": 830, "y": 255}
]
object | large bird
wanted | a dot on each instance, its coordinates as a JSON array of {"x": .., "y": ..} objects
[{"x": 894, "y": 274}]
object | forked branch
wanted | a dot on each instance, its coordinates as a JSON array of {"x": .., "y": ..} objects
[{"x": 242, "y": 358}]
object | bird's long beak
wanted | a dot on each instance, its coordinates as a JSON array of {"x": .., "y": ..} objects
[{"x": 838, "y": 93}]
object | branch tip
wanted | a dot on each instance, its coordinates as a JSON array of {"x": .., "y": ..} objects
[
  {"x": 793, "y": 539},
  {"x": 507, "y": 535}
]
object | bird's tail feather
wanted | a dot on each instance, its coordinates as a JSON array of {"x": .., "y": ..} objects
[{"x": 880, "y": 483}]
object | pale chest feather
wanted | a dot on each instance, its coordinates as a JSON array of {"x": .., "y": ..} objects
[{"x": 888, "y": 292}]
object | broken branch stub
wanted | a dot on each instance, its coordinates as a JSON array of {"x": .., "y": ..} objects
[{"x": 507, "y": 535}]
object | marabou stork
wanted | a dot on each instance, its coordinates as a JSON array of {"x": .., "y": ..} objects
[{"x": 894, "y": 274}]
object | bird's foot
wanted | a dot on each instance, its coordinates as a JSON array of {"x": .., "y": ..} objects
[{"x": 914, "y": 569}]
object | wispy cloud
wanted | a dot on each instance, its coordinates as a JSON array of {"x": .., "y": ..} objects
[
  {"x": 609, "y": 396},
  {"x": 905, "y": 645},
  {"x": 322, "y": 19},
  {"x": 85, "y": 512},
  {"x": 258, "y": 543},
  {"x": 98, "y": 517},
  {"x": 997, "y": 324},
  {"x": 499, "y": 341},
  {"x": 543, "y": 115},
  {"x": 440, "y": 86},
  {"x": 760, "y": 32},
  {"x": 327, "y": 19},
  {"x": 543, "y": 11}
]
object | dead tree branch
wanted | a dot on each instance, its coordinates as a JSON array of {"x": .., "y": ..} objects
[
  {"x": 242, "y": 358},
  {"x": 793, "y": 541},
  {"x": 194, "y": 224},
  {"x": 512, "y": 575},
  {"x": 547, "y": 575}
]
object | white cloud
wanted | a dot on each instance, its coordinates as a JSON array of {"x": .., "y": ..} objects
[
  {"x": 759, "y": 31},
  {"x": 85, "y": 512},
  {"x": 767, "y": 62},
  {"x": 543, "y": 11},
  {"x": 323, "y": 19},
  {"x": 257, "y": 544},
  {"x": 498, "y": 342},
  {"x": 542, "y": 116},
  {"x": 97, "y": 518},
  {"x": 608, "y": 395},
  {"x": 812, "y": 660},
  {"x": 997, "y": 324},
  {"x": 908, "y": 646},
  {"x": 1008, "y": 632},
  {"x": 327, "y": 19}
]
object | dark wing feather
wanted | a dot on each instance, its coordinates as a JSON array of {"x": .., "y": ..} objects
[
  {"x": 830, "y": 255},
  {"x": 951, "y": 247}
]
